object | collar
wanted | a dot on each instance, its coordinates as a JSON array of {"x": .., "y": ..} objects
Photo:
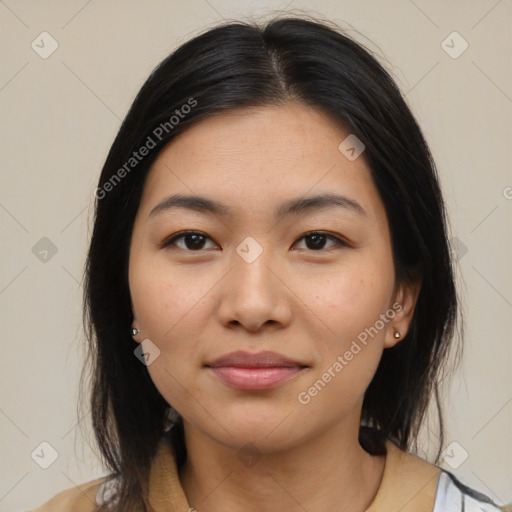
[{"x": 408, "y": 484}]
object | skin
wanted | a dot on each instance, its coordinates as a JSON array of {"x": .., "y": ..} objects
[{"x": 196, "y": 303}]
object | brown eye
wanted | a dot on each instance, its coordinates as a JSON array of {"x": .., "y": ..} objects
[
  {"x": 316, "y": 240},
  {"x": 192, "y": 241},
  {"x": 195, "y": 241}
]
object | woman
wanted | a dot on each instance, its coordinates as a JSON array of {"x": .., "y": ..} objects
[{"x": 269, "y": 293}]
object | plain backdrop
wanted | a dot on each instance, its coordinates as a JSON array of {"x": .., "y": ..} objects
[{"x": 60, "y": 113}]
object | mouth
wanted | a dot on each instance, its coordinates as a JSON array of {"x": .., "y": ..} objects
[{"x": 255, "y": 372}]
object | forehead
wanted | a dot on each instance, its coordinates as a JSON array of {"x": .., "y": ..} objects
[{"x": 253, "y": 157}]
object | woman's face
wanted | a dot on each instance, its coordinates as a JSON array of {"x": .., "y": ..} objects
[{"x": 313, "y": 283}]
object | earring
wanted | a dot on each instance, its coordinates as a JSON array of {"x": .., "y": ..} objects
[
  {"x": 135, "y": 331},
  {"x": 396, "y": 335}
]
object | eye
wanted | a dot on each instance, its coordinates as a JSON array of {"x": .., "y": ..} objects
[
  {"x": 318, "y": 239},
  {"x": 193, "y": 240}
]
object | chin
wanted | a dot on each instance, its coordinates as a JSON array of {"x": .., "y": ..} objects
[
  {"x": 253, "y": 442},
  {"x": 257, "y": 432}
]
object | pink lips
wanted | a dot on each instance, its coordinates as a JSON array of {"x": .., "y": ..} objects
[{"x": 254, "y": 372}]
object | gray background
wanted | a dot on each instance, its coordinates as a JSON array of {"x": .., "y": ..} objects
[{"x": 60, "y": 115}]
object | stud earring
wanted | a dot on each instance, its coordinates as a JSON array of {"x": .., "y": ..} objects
[
  {"x": 135, "y": 331},
  {"x": 396, "y": 335}
]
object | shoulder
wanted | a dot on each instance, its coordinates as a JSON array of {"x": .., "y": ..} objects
[
  {"x": 412, "y": 484},
  {"x": 452, "y": 495},
  {"x": 81, "y": 498}
]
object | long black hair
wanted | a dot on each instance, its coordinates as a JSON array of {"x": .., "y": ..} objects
[{"x": 245, "y": 64}]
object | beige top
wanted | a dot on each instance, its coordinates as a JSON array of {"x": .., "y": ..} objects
[{"x": 408, "y": 484}]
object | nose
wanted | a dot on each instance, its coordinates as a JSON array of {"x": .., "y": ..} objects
[{"x": 255, "y": 294}]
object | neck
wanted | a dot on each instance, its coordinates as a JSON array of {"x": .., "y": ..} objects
[{"x": 330, "y": 472}]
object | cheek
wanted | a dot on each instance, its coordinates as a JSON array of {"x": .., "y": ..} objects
[
  {"x": 350, "y": 352},
  {"x": 351, "y": 304},
  {"x": 355, "y": 298},
  {"x": 165, "y": 298},
  {"x": 170, "y": 307}
]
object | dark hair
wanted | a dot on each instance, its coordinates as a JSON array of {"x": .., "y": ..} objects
[{"x": 242, "y": 64}]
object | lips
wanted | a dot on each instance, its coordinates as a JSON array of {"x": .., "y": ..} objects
[
  {"x": 259, "y": 360},
  {"x": 254, "y": 372}
]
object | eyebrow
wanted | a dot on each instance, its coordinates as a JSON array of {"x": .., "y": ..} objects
[{"x": 286, "y": 209}]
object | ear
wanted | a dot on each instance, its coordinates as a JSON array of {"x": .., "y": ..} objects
[{"x": 403, "y": 304}]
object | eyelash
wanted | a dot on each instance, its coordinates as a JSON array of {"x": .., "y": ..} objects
[{"x": 171, "y": 241}]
